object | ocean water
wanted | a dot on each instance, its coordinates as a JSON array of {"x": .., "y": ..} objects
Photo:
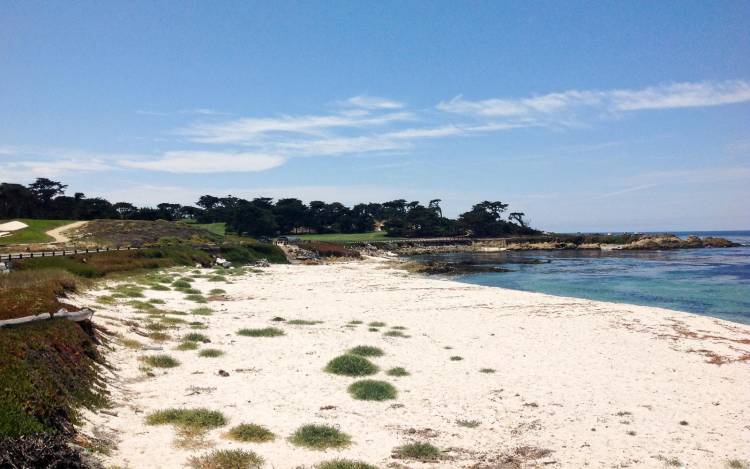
[{"x": 712, "y": 282}]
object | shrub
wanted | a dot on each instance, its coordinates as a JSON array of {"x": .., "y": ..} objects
[
  {"x": 344, "y": 464},
  {"x": 351, "y": 365},
  {"x": 320, "y": 437},
  {"x": 398, "y": 371},
  {"x": 181, "y": 284},
  {"x": 159, "y": 287},
  {"x": 264, "y": 332},
  {"x": 303, "y": 322},
  {"x": 252, "y": 433},
  {"x": 377, "y": 324},
  {"x": 196, "y": 337},
  {"x": 203, "y": 311},
  {"x": 419, "y": 451},
  {"x": 395, "y": 334},
  {"x": 210, "y": 353},
  {"x": 366, "y": 351},
  {"x": 456, "y": 358},
  {"x": 217, "y": 291},
  {"x": 191, "y": 291},
  {"x": 487, "y": 370},
  {"x": 161, "y": 361},
  {"x": 196, "y": 298},
  {"x": 158, "y": 336},
  {"x": 201, "y": 418},
  {"x": 372, "y": 390},
  {"x": 187, "y": 345},
  {"x": 227, "y": 459}
]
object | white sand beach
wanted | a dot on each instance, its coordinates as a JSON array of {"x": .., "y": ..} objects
[{"x": 596, "y": 384}]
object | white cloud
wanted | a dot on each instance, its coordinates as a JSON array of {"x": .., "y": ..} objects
[
  {"x": 673, "y": 96},
  {"x": 254, "y": 130},
  {"x": 30, "y": 169},
  {"x": 372, "y": 102},
  {"x": 207, "y": 162}
]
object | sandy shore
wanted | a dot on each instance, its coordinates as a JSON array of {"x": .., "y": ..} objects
[{"x": 597, "y": 384}]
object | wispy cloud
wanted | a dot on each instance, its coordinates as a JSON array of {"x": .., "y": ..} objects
[
  {"x": 207, "y": 162},
  {"x": 372, "y": 102},
  {"x": 672, "y": 96}
]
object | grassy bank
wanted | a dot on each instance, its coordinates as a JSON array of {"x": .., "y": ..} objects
[
  {"x": 345, "y": 237},
  {"x": 34, "y": 233}
]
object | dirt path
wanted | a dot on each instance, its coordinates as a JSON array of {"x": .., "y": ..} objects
[{"x": 58, "y": 235}]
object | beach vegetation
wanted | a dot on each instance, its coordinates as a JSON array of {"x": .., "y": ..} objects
[
  {"x": 420, "y": 451},
  {"x": 262, "y": 332},
  {"x": 456, "y": 358},
  {"x": 351, "y": 365},
  {"x": 487, "y": 370},
  {"x": 278, "y": 319},
  {"x": 251, "y": 433},
  {"x": 180, "y": 284},
  {"x": 217, "y": 291},
  {"x": 196, "y": 337},
  {"x": 187, "y": 345},
  {"x": 373, "y": 329},
  {"x": 467, "y": 423},
  {"x": 159, "y": 336},
  {"x": 377, "y": 324},
  {"x": 200, "y": 418},
  {"x": 227, "y": 459},
  {"x": 397, "y": 371},
  {"x": 345, "y": 464},
  {"x": 131, "y": 343},
  {"x": 160, "y": 361},
  {"x": 355, "y": 322},
  {"x": 202, "y": 311},
  {"x": 303, "y": 322},
  {"x": 210, "y": 353},
  {"x": 372, "y": 390},
  {"x": 395, "y": 333},
  {"x": 737, "y": 464},
  {"x": 320, "y": 437},
  {"x": 196, "y": 298},
  {"x": 366, "y": 351}
]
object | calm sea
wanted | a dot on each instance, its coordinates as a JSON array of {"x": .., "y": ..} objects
[{"x": 713, "y": 282}]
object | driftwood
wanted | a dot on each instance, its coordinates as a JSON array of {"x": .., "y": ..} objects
[{"x": 82, "y": 315}]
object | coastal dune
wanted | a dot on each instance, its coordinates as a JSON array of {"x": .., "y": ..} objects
[{"x": 497, "y": 378}]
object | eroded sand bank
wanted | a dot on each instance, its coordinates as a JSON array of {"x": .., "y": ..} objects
[{"x": 597, "y": 384}]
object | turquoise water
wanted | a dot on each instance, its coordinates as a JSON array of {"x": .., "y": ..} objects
[{"x": 713, "y": 282}]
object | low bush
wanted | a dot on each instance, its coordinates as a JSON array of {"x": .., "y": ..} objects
[
  {"x": 200, "y": 418},
  {"x": 264, "y": 332},
  {"x": 366, "y": 351},
  {"x": 210, "y": 353},
  {"x": 418, "y": 451},
  {"x": 196, "y": 337},
  {"x": 372, "y": 390},
  {"x": 320, "y": 437},
  {"x": 351, "y": 365},
  {"x": 160, "y": 361},
  {"x": 345, "y": 464},
  {"x": 398, "y": 371},
  {"x": 227, "y": 459},
  {"x": 249, "y": 432}
]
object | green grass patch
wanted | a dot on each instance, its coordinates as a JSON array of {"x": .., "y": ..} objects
[
  {"x": 181, "y": 284},
  {"x": 160, "y": 361},
  {"x": 203, "y": 311},
  {"x": 251, "y": 433},
  {"x": 366, "y": 351},
  {"x": 456, "y": 358},
  {"x": 217, "y": 291},
  {"x": 159, "y": 287},
  {"x": 345, "y": 464},
  {"x": 196, "y": 337},
  {"x": 397, "y": 371},
  {"x": 320, "y": 437},
  {"x": 373, "y": 329},
  {"x": 196, "y": 298},
  {"x": 419, "y": 451},
  {"x": 377, "y": 324},
  {"x": 34, "y": 233},
  {"x": 227, "y": 459},
  {"x": 468, "y": 423},
  {"x": 217, "y": 278},
  {"x": 372, "y": 390},
  {"x": 351, "y": 365},
  {"x": 395, "y": 333},
  {"x": 106, "y": 300},
  {"x": 263, "y": 332},
  {"x": 159, "y": 336},
  {"x": 187, "y": 345},
  {"x": 200, "y": 418},
  {"x": 354, "y": 322},
  {"x": 215, "y": 228},
  {"x": 303, "y": 322},
  {"x": 210, "y": 353},
  {"x": 197, "y": 325},
  {"x": 156, "y": 301},
  {"x": 487, "y": 370}
]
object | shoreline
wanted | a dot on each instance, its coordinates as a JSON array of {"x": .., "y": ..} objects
[{"x": 563, "y": 366}]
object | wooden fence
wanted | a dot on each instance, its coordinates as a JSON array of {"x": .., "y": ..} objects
[{"x": 66, "y": 252}]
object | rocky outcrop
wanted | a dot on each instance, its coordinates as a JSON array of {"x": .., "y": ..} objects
[{"x": 673, "y": 242}]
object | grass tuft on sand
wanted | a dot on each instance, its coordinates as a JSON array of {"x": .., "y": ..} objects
[
  {"x": 227, "y": 459},
  {"x": 417, "y": 450},
  {"x": 210, "y": 353},
  {"x": 366, "y": 351},
  {"x": 303, "y": 322},
  {"x": 161, "y": 361},
  {"x": 201, "y": 418},
  {"x": 397, "y": 371},
  {"x": 372, "y": 390},
  {"x": 187, "y": 345},
  {"x": 320, "y": 437},
  {"x": 345, "y": 464},
  {"x": 195, "y": 337},
  {"x": 351, "y": 365},
  {"x": 251, "y": 433},
  {"x": 263, "y": 332}
]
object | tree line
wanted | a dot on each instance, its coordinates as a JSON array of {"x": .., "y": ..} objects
[{"x": 262, "y": 216}]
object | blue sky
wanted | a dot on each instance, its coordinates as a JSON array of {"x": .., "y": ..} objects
[{"x": 584, "y": 115}]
